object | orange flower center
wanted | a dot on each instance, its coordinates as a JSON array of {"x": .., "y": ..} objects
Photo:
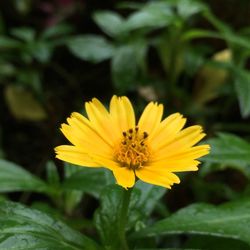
[{"x": 133, "y": 150}]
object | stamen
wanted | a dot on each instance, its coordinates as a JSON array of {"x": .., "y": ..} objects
[{"x": 132, "y": 152}]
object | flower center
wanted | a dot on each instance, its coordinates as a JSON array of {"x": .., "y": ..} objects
[{"x": 133, "y": 151}]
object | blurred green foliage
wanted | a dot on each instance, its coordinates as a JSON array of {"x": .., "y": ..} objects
[{"x": 57, "y": 54}]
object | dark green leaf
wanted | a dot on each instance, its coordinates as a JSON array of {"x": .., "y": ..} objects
[
  {"x": 187, "y": 8},
  {"x": 41, "y": 51},
  {"x": 142, "y": 202},
  {"x": 74, "y": 192},
  {"x": 127, "y": 61},
  {"x": 168, "y": 249},
  {"x": 23, "y": 229},
  {"x": 229, "y": 220},
  {"x": 227, "y": 33},
  {"x": 52, "y": 174},
  {"x": 229, "y": 150},
  {"x": 57, "y": 31},
  {"x": 199, "y": 33},
  {"x": 91, "y": 48},
  {"x": 89, "y": 180},
  {"x": 110, "y": 22},
  {"x": 107, "y": 217},
  {"x": 242, "y": 87},
  {"x": 153, "y": 15},
  {"x": 24, "y": 33},
  {"x": 8, "y": 43},
  {"x": 149, "y": 196},
  {"x": 15, "y": 178},
  {"x": 31, "y": 78}
]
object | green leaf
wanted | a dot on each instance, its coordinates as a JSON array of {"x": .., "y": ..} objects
[
  {"x": 23, "y": 228},
  {"x": 126, "y": 62},
  {"x": 110, "y": 22},
  {"x": 9, "y": 43},
  {"x": 41, "y": 51},
  {"x": 188, "y": 8},
  {"x": 107, "y": 217},
  {"x": 153, "y": 15},
  {"x": 72, "y": 193},
  {"x": 14, "y": 178},
  {"x": 199, "y": 33},
  {"x": 91, "y": 48},
  {"x": 58, "y": 30},
  {"x": 52, "y": 174},
  {"x": 229, "y": 220},
  {"x": 149, "y": 196},
  {"x": 89, "y": 180},
  {"x": 229, "y": 150},
  {"x": 142, "y": 202},
  {"x": 168, "y": 249},
  {"x": 227, "y": 33},
  {"x": 24, "y": 33},
  {"x": 242, "y": 87}
]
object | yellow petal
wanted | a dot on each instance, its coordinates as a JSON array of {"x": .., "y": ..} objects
[
  {"x": 87, "y": 126},
  {"x": 82, "y": 144},
  {"x": 122, "y": 113},
  {"x": 100, "y": 120},
  {"x": 175, "y": 166},
  {"x": 160, "y": 177},
  {"x": 150, "y": 118},
  {"x": 106, "y": 162},
  {"x": 74, "y": 155},
  {"x": 183, "y": 140},
  {"x": 167, "y": 130},
  {"x": 124, "y": 177},
  {"x": 190, "y": 153}
]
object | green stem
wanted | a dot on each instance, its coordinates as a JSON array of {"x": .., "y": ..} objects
[{"x": 123, "y": 219}]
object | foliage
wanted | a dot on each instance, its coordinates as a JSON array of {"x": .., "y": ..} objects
[{"x": 178, "y": 52}]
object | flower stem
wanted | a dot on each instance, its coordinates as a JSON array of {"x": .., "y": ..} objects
[{"x": 123, "y": 218}]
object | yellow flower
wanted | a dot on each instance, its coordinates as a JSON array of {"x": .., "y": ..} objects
[{"x": 151, "y": 150}]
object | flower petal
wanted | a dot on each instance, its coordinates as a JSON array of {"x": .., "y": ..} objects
[
  {"x": 80, "y": 133},
  {"x": 87, "y": 126},
  {"x": 160, "y": 177},
  {"x": 122, "y": 113},
  {"x": 167, "y": 130},
  {"x": 175, "y": 165},
  {"x": 106, "y": 162},
  {"x": 124, "y": 177},
  {"x": 187, "y": 154},
  {"x": 183, "y": 140},
  {"x": 100, "y": 120},
  {"x": 83, "y": 144},
  {"x": 150, "y": 118},
  {"x": 74, "y": 155}
]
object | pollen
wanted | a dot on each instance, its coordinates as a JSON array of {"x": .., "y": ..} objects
[{"x": 132, "y": 151}]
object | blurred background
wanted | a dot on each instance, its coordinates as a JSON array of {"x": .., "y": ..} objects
[{"x": 193, "y": 56}]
